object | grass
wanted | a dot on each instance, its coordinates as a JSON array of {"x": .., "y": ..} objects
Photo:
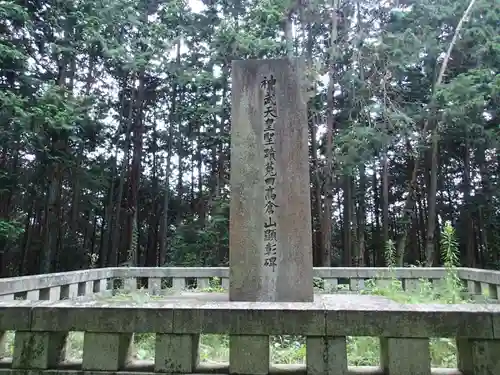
[{"x": 362, "y": 351}]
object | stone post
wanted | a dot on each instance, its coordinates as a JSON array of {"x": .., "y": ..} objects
[{"x": 270, "y": 216}]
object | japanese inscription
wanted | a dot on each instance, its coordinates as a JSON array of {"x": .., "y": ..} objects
[
  {"x": 268, "y": 84},
  {"x": 270, "y": 216}
]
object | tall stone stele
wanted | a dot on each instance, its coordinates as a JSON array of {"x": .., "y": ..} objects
[{"x": 270, "y": 218}]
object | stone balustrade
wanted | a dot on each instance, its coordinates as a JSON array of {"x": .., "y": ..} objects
[
  {"x": 69, "y": 285},
  {"x": 56, "y": 286},
  {"x": 41, "y": 330}
]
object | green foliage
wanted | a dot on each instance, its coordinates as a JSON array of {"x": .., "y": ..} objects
[
  {"x": 196, "y": 242},
  {"x": 106, "y": 107},
  {"x": 10, "y": 230},
  {"x": 14, "y": 12},
  {"x": 448, "y": 290},
  {"x": 450, "y": 253},
  {"x": 318, "y": 283},
  {"x": 215, "y": 286},
  {"x": 395, "y": 287}
]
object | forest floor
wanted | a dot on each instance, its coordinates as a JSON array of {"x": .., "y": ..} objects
[{"x": 362, "y": 351}]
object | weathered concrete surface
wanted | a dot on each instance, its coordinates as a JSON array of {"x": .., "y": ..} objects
[
  {"x": 404, "y": 330},
  {"x": 196, "y": 296},
  {"x": 270, "y": 216},
  {"x": 355, "y": 299},
  {"x": 13, "y": 285},
  {"x": 341, "y": 315}
]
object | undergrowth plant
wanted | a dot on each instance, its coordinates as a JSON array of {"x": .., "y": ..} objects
[
  {"x": 395, "y": 284},
  {"x": 451, "y": 259},
  {"x": 449, "y": 290},
  {"x": 214, "y": 286},
  {"x": 379, "y": 285}
]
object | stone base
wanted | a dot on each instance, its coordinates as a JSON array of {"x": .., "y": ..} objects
[{"x": 354, "y": 299}]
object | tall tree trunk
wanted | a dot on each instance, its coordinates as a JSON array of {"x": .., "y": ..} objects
[
  {"x": 330, "y": 123},
  {"x": 51, "y": 218},
  {"x": 378, "y": 245},
  {"x": 485, "y": 214},
  {"x": 151, "y": 257},
  {"x": 348, "y": 219},
  {"x": 117, "y": 228},
  {"x": 174, "y": 119},
  {"x": 314, "y": 169},
  {"x": 361, "y": 215},
  {"x": 468, "y": 218},
  {"x": 421, "y": 226},
  {"x": 431, "y": 199},
  {"x": 385, "y": 199},
  {"x": 135, "y": 173}
]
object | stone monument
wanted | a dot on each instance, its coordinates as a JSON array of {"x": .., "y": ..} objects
[{"x": 270, "y": 213}]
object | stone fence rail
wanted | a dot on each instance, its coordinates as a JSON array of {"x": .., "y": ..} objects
[
  {"x": 41, "y": 330},
  {"x": 67, "y": 285}
]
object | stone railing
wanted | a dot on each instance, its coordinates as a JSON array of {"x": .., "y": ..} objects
[
  {"x": 69, "y": 285},
  {"x": 42, "y": 328},
  {"x": 56, "y": 286}
]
